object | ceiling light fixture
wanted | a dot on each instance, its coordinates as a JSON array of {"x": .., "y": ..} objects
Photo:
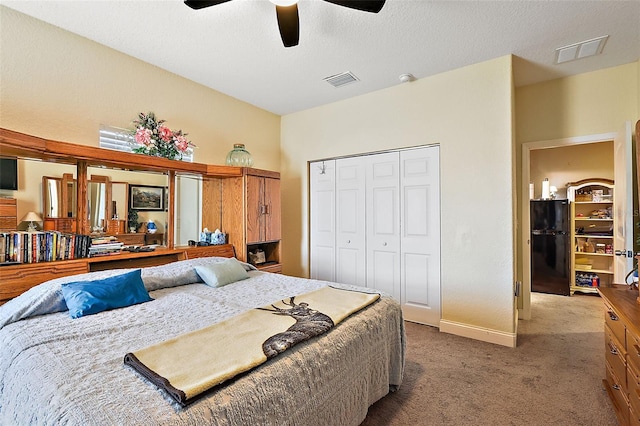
[{"x": 580, "y": 50}]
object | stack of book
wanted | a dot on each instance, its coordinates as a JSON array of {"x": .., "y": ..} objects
[
  {"x": 42, "y": 246},
  {"x": 101, "y": 246}
]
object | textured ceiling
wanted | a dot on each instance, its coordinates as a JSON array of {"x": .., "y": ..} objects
[{"x": 235, "y": 47}]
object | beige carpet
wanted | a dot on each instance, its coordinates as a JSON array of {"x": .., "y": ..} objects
[{"x": 553, "y": 376}]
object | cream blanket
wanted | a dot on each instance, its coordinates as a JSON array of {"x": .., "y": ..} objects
[{"x": 195, "y": 362}]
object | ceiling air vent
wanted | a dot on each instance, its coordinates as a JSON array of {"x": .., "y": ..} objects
[
  {"x": 341, "y": 79},
  {"x": 580, "y": 50}
]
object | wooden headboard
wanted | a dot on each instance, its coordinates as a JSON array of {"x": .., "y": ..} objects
[{"x": 16, "y": 279}]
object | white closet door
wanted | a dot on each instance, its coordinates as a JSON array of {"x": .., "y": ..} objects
[
  {"x": 383, "y": 223},
  {"x": 350, "y": 224},
  {"x": 420, "y": 244},
  {"x": 323, "y": 219}
]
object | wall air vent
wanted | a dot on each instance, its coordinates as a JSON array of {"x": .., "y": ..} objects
[{"x": 341, "y": 79}]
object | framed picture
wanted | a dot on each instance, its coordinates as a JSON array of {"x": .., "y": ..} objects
[{"x": 146, "y": 198}]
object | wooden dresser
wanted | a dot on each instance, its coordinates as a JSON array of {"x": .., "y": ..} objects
[{"x": 622, "y": 352}]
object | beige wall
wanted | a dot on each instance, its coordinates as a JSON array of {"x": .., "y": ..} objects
[
  {"x": 570, "y": 164},
  {"x": 60, "y": 86},
  {"x": 593, "y": 103},
  {"x": 467, "y": 112}
]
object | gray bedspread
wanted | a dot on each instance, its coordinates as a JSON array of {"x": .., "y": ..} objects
[{"x": 55, "y": 370}]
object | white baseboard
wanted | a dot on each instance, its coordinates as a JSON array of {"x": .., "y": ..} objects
[{"x": 479, "y": 333}]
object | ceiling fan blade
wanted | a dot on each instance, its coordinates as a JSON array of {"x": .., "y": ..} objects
[
  {"x": 373, "y": 6},
  {"x": 289, "y": 24},
  {"x": 201, "y": 4}
]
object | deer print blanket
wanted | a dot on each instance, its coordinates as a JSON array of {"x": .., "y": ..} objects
[{"x": 192, "y": 363}]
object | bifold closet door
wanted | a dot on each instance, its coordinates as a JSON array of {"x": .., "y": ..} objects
[
  {"x": 383, "y": 222},
  {"x": 350, "y": 221},
  {"x": 420, "y": 241},
  {"x": 322, "y": 210}
]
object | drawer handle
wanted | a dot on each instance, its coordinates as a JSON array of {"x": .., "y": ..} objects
[
  {"x": 613, "y": 349},
  {"x": 613, "y": 316},
  {"x": 616, "y": 386},
  {"x": 637, "y": 348}
]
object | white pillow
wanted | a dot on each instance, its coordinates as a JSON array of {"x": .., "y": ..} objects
[{"x": 222, "y": 273}]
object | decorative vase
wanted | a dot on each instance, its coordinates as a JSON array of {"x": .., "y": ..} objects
[
  {"x": 239, "y": 156},
  {"x": 151, "y": 227}
]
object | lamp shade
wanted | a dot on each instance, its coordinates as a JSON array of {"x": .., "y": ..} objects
[{"x": 32, "y": 217}]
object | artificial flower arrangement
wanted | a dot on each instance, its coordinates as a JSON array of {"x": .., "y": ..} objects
[{"x": 154, "y": 138}]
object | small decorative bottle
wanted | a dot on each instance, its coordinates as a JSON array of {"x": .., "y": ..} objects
[
  {"x": 239, "y": 156},
  {"x": 151, "y": 227}
]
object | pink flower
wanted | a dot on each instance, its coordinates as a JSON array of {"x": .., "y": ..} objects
[
  {"x": 181, "y": 143},
  {"x": 165, "y": 133},
  {"x": 143, "y": 136}
]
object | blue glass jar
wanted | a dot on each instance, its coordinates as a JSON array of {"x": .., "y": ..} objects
[
  {"x": 239, "y": 156},
  {"x": 151, "y": 227}
]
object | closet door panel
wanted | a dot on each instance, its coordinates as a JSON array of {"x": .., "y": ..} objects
[
  {"x": 323, "y": 219},
  {"x": 420, "y": 253},
  {"x": 383, "y": 223},
  {"x": 350, "y": 226}
]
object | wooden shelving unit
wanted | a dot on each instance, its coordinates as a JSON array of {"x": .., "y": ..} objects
[{"x": 592, "y": 225}]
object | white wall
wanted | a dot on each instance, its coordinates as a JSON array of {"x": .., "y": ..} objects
[{"x": 468, "y": 112}]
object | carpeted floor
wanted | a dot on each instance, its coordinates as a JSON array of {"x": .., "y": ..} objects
[{"x": 553, "y": 376}]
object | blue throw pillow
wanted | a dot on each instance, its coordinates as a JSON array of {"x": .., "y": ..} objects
[
  {"x": 90, "y": 297},
  {"x": 221, "y": 273}
]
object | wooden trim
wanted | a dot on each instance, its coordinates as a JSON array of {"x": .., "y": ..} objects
[
  {"x": 583, "y": 181},
  {"x": 16, "y": 279},
  {"x": 262, "y": 173},
  {"x": 21, "y": 145}
]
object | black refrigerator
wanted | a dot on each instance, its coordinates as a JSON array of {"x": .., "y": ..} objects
[{"x": 550, "y": 249}]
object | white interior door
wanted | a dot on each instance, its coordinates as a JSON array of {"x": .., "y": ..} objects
[
  {"x": 350, "y": 221},
  {"x": 623, "y": 203},
  {"x": 383, "y": 222},
  {"x": 420, "y": 242},
  {"x": 322, "y": 210}
]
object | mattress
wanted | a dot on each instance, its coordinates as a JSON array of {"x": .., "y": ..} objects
[{"x": 58, "y": 370}]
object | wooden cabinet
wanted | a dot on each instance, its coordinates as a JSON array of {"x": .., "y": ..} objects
[
  {"x": 622, "y": 351},
  {"x": 263, "y": 209},
  {"x": 259, "y": 227},
  {"x": 62, "y": 224},
  {"x": 592, "y": 226},
  {"x": 8, "y": 214}
]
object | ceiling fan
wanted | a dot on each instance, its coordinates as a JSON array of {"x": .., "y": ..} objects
[{"x": 287, "y": 13}]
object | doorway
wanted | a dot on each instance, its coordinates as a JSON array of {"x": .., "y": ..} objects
[{"x": 622, "y": 172}]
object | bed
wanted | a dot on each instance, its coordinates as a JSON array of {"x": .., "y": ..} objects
[{"x": 59, "y": 370}]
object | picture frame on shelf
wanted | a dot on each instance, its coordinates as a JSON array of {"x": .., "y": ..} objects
[{"x": 146, "y": 198}]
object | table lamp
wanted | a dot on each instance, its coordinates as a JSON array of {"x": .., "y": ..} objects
[{"x": 32, "y": 217}]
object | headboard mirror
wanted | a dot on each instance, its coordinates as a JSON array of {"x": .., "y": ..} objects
[{"x": 59, "y": 196}]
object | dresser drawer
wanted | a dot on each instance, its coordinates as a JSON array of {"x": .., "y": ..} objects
[
  {"x": 618, "y": 397},
  {"x": 633, "y": 350},
  {"x": 634, "y": 416},
  {"x": 613, "y": 321},
  {"x": 633, "y": 387},
  {"x": 615, "y": 355}
]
